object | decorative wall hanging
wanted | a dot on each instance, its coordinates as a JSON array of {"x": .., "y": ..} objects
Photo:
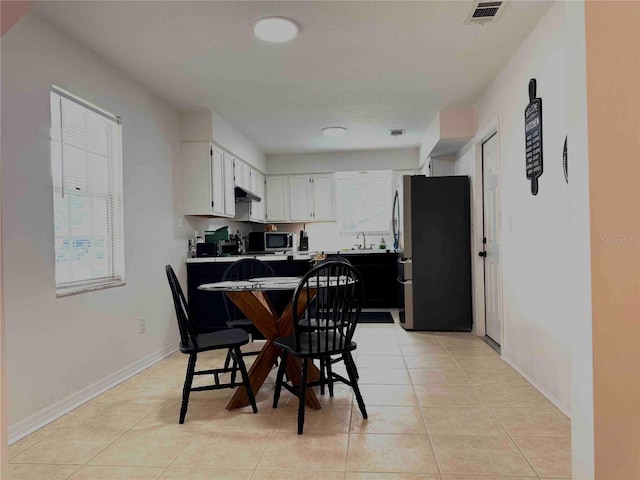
[
  {"x": 533, "y": 137},
  {"x": 565, "y": 167}
]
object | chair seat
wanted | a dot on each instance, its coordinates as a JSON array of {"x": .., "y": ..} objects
[
  {"x": 289, "y": 344},
  {"x": 239, "y": 322},
  {"x": 232, "y": 337}
]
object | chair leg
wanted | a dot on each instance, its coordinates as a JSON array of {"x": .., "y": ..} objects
[
  {"x": 245, "y": 378},
  {"x": 276, "y": 395},
  {"x": 234, "y": 366},
  {"x": 227, "y": 360},
  {"x": 186, "y": 389},
  {"x": 323, "y": 378},
  {"x": 329, "y": 377},
  {"x": 303, "y": 395},
  {"x": 348, "y": 362}
]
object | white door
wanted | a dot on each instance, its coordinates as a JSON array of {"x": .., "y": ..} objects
[
  {"x": 299, "y": 198},
  {"x": 324, "y": 198},
  {"x": 491, "y": 212},
  {"x": 277, "y": 198}
]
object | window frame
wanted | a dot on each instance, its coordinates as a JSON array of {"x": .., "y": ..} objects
[{"x": 115, "y": 214}]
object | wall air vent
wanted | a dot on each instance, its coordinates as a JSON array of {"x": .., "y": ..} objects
[
  {"x": 396, "y": 132},
  {"x": 485, "y": 12}
]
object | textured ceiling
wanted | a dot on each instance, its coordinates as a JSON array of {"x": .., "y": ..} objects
[{"x": 368, "y": 66}]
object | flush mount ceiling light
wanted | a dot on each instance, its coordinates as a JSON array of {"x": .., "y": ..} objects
[
  {"x": 275, "y": 29},
  {"x": 334, "y": 131}
]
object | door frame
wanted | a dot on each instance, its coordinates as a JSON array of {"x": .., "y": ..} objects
[{"x": 477, "y": 265}]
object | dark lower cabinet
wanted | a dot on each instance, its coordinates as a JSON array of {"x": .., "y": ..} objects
[
  {"x": 208, "y": 311},
  {"x": 207, "y": 308},
  {"x": 379, "y": 271}
]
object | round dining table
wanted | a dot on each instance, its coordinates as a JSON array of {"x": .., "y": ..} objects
[{"x": 250, "y": 296}]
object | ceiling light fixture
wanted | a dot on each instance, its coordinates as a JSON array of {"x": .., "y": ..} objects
[
  {"x": 275, "y": 29},
  {"x": 334, "y": 131}
]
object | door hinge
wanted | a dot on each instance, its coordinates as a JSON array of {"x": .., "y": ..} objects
[
  {"x": 484, "y": 239},
  {"x": 212, "y": 204}
]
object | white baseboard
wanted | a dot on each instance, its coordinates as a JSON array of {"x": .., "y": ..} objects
[
  {"x": 48, "y": 414},
  {"x": 563, "y": 405}
]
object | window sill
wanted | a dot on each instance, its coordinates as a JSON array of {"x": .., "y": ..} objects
[{"x": 65, "y": 292}]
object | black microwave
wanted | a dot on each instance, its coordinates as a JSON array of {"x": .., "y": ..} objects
[{"x": 269, "y": 241}]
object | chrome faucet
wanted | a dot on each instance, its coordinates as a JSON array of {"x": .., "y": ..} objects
[{"x": 364, "y": 240}]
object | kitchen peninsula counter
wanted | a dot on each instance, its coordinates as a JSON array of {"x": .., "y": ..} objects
[{"x": 289, "y": 256}]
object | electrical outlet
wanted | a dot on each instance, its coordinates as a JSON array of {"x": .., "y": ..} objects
[{"x": 141, "y": 325}]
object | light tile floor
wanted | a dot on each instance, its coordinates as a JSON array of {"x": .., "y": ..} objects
[{"x": 441, "y": 406}]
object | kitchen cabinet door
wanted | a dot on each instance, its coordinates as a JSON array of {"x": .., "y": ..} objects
[
  {"x": 217, "y": 181},
  {"x": 324, "y": 199},
  {"x": 277, "y": 196},
  {"x": 238, "y": 172},
  {"x": 229, "y": 193},
  {"x": 202, "y": 176},
  {"x": 257, "y": 209},
  {"x": 246, "y": 177},
  {"x": 300, "y": 198}
]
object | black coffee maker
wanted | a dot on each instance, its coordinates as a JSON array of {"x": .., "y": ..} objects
[{"x": 303, "y": 244}]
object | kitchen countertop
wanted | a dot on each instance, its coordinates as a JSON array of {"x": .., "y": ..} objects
[{"x": 291, "y": 256}]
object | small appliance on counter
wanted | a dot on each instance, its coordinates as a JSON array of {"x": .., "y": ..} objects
[
  {"x": 232, "y": 246},
  {"x": 261, "y": 242},
  {"x": 304, "y": 241},
  {"x": 210, "y": 246}
]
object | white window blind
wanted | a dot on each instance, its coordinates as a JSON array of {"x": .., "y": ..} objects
[
  {"x": 364, "y": 201},
  {"x": 86, "y": 166}
]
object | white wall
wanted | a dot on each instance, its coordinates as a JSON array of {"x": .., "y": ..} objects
[
  {"x": 59, "y": 350},
  {"x": 538, "y": 306},
  {"x": 391, "y": 159},
  {"x": 226, "y": 135}
]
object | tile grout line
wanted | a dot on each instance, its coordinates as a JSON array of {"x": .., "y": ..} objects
[
  {"x": 424, "y": 420},
  {"x": 477, "y": 392}
]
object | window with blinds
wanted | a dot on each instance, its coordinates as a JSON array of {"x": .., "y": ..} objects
[{"x": 86, "y": 166}]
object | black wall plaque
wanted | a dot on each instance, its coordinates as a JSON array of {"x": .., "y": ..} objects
[
  {"x": 565, "y": 166},
  {"x": 533, "y": 137}
]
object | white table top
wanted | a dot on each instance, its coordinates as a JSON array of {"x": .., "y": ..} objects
[{"x": 272, "y": 283}]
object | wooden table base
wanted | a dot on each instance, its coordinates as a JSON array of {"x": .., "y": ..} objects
[{"x": 257, "y": 307}]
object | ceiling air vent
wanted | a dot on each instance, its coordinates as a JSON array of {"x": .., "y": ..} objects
[
  {"x": 485, "y": 12},
  {"x": 396, "y": 132}
]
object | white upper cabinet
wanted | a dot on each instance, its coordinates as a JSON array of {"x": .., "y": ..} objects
[
  {"x": 324, "y": 197},
  {"x": 257, "y": 210},
  {"x": 300, "y": 198},
  {"x": 277, "y": 196},
  {"x": 203, "y": 179},
  {"x": 229, "y": 187},
  {"x": 246, "y": 178},
  {"x": 310, "y": 198}
]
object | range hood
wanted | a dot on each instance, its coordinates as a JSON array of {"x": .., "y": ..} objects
[{"x": 243, "y": 195}]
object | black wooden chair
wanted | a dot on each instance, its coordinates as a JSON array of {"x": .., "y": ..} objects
[
  {"x": 243, "y": 269},
  {"x": 309, "y": 322},
  {"x": 192, "y": 343},
  {"x": 339, "y": 292}
]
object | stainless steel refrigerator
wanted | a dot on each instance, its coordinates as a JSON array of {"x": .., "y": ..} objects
[{"x": 432, "y": 232}]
